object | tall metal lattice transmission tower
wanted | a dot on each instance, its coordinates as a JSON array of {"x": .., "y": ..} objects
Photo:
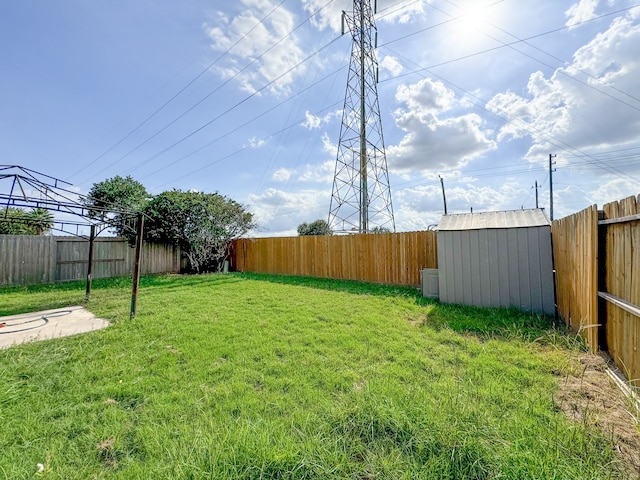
[{"x": 361, "y": 196}]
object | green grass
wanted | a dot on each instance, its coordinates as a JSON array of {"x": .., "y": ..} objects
[{"x": 263, "y": 377}]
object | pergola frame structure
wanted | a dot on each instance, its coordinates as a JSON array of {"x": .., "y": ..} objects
[{"x": 31, "y": 189}]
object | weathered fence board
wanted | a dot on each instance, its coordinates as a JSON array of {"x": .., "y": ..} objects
[
  {"x": 575, "y": 251},
  {"x": 622, "y": 280},
  {"x": 31, "y": 259},
  {"x": 27, "y": 259},
  {"x": 592, "y": 255},
  {"x": 392, "y": 258}
]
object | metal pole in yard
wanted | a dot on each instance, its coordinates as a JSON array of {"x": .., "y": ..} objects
[
  {"x": 92, "y": 236},
  {"x": 136, "y": 268}
]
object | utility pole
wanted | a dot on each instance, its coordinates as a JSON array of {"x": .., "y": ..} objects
[
  {"x": 537, "y": 187},
  {"x": 444, "y": 198},
  {"x": 551, "y": 170}
]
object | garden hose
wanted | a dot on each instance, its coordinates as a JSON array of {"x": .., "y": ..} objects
[{"x": 39, "y": 321}]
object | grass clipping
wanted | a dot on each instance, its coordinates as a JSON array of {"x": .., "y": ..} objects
[{"x": 588, "y": 395}]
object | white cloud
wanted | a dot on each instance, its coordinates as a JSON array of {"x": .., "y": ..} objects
[
  {"x": 576, "y": 108},
  {"x": 327, "y": 145},
  {"x": 417, "y": 208},
  {"x": 391, "y": 64},
  {"x": 581, "y": 12},
  {"x": 330, "y": 16},
  {"x": 400, "y": 12},
  {"x": 255, "y": 143},
  {"x": 319, "y": 173},
  {"x": 431, "y": 140},
  {"x": 612, "y": 190},
  {"x": 281, "y": 175},
  {"x": 251, "y": 40},
  {"x": 313, "y": 122},
  {"x": 279, "y": 213}
]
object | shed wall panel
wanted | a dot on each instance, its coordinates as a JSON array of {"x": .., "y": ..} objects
[
  {"x": 512, "y": 267},
  {"x": 535, "y": 271},
  {"x": 546, "y": 264},
  {"x": 497, "y": 267},
  {"x": 484, "y": 266},
  {"x": 466, "y": 260},
  {"x": 523, "y": 269}
]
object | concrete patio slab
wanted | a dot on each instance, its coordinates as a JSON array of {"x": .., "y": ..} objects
[{"x": 60, "y": 322}]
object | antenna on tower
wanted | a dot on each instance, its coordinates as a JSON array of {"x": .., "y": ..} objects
[{"x": 361, "y": 195}]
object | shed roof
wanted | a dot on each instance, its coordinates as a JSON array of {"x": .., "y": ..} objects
[{"x": 534, "y": 217}]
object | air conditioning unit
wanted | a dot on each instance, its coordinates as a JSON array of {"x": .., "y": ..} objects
[{"x": 429, "y": 281}]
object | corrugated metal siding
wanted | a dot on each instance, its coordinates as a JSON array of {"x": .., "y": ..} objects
[{"x": 497, "y": 268}]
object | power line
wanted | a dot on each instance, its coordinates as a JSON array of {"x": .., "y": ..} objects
[
  {"x": 176, "y": 95},
  {"x": 471, "y": 55},
  {"x": 505, "y": 116},
  {"x": 236, "y": 152},
  {"x": 584, "y": 72},
  {"x": 219, "y": 87},
  {"x": 228, "y": 110},
  {"x": 519, "y": 40},
  {"x": 248, "y": 122}
]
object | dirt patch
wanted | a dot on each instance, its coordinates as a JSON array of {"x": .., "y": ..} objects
[{"x": 589, "y": 395}]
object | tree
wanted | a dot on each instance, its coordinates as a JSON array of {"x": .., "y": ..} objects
[
  {"x": 319, "y": 227},
  {"x": 114, "y": 195},
  {"x": 202, "y": 224},
  {"x": 41, "y": 220},
  {"x": 380, "y": 229},
  {"x": 15, "y": 221}
]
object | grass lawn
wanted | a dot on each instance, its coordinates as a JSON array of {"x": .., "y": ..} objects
[{"x": 262, "y": 377}]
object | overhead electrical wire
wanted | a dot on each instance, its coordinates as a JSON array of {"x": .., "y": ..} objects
[
  {"x": 380, "y": 14},
  {"x": 272, "y": 160},
  {"x": 505, "y": 116},
  {"x": 229, "y": 110},
  {"x": 584, "y": 72},
  {"x": 182, "y": 90},
  {"x": 236, "y": 74},
  {"x": 248, "y": 122},
  {"x": 592, "y": 160},
  {"x": 481, "y": 52},
  {"x": 225, "y": 157},
  {"x": 556, "y": 69}
]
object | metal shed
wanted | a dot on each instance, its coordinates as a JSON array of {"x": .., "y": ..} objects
[{"x": 497, "y": 259}]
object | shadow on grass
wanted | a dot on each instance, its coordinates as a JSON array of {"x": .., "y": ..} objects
[
  {"x": 349, "y": 286},
  {"x": 482, "y": 322}
]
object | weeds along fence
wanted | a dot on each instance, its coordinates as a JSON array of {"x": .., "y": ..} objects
[
  {"x": 391, "y": 258},
  {"x": 597, "y": 257},
  {"x": 31, "y": 259}
]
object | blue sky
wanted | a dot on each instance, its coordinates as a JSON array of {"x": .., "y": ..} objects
[{"x": 245, "y": 98}]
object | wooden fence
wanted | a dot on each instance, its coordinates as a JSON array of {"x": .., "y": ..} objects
[
  {"x": 597, "y": 258},
  {"x": 620, "y": 283},
  {"x": 391, "y": 258},
  {"x": 31, "y": 259},
  {"x": 575, "y": 252}
]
